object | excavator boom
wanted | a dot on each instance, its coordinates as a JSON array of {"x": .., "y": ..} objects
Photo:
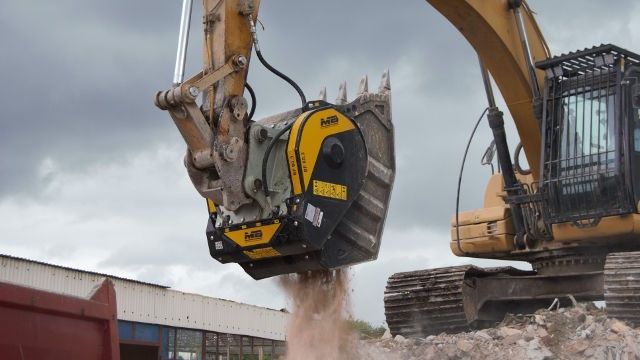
[{"x": 492, "y": 30}]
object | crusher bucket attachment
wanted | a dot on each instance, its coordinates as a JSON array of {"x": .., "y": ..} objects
[
  {"x": 320, "y": 180},
  {"x": 303, "y": 190}
]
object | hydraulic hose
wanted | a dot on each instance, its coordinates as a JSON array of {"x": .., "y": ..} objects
[
  {"x": 464, "y": 159},
  {"x": 275, "y": 71},
  {"x": 516, "y": 161},
  {"x": 303, "y": 99},
  {"x": 253, "y": 100}
]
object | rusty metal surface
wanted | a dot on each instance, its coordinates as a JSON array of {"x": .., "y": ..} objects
[
  {"x": 569, "y": 262},
  {"x": 494, "y": 296},
  {"x": 622, "y": 286},
  {"x": 455, "y": 299},
  {"x": 419, "y": 303},
  {"x": 425, "y": 302},
  {"x": 37, "y": 324},
  {"x": 227, "y": 34}
]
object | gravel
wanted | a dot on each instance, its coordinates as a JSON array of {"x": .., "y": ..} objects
[{"x": 580, "y": 332}]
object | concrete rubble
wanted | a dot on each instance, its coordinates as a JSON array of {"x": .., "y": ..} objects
[{"x": 580, "y": 332}]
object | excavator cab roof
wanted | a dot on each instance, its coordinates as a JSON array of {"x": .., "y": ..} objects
[{"x": 579, "y": 62}]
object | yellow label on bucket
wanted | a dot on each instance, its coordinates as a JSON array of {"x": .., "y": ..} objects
[
  {"x": 262, "y": 253},
  {"x": 330, "y": 190}
]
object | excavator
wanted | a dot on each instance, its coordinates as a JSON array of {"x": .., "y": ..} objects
[{"x": 308, "y": 189}]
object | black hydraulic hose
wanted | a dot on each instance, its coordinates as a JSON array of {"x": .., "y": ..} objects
[
  {"x": 253, "y": 100},
  {"x": 516, "y": 161},
  {"x": 464, "y": 159},
  {"x": 282, "y": 76},
  {"x": 303, "y": 99},
  {"x": 265, "y": 159},
  {"x": 275, "y": 71}
]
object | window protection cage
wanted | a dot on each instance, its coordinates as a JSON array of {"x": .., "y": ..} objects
[{"x": 583, "y": 172}]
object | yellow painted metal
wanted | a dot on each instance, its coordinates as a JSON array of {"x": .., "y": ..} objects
[
  {"x": 494, "y": 193},
  {"x": 484, "y": 229},
  {"x": 312, "y": 128},
  {"x": 294, "y": 172},
  {"x": 609, "y": 228},
  {"x": 211, "y": 206},
  {"x": 251, "y": 236},
  {"x": 227, "y": 34},
  {"x": 489, "y": 245},
  {"x": 478, "y": 216},
  {"x": 262, "y": 253},
  {"x": 318, "y": 127},
  {"x": 491, "y": 29},
  {"x": 330, "y": 190}
]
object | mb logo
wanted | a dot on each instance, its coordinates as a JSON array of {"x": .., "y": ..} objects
[
  {"x": 253, "y": 235},
  {"x": 329, "y": 121}
]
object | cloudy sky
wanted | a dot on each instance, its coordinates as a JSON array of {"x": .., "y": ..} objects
[{"x": 91, "y": 173}]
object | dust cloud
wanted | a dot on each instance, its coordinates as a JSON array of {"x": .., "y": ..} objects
[{"x": 319, "y": 328}]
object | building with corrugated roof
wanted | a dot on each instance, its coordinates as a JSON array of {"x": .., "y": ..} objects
[{"x": 156, "y": 322}]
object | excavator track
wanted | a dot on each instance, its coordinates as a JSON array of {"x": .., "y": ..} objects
[
  {"x": 622, "y": 286},
  {"x": 424, "y": 302},
  {"x": 459, "y": 298}
]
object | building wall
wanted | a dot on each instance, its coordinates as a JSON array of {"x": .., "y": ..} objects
[
  {"x": 169, "y": 343},
  {"x": 150, "y": 303}
]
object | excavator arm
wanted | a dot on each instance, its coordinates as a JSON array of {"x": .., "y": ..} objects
[
  {"x": 306, "y": 189},
  {"x": 214, "y": 131}
]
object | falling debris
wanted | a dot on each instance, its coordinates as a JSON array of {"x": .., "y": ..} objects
[{"x": 319, "y": 327}]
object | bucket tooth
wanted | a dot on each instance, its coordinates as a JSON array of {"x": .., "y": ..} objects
[
  {"x": 363, "y": 88},
  {"x": 342, "y": 94},
  {"x": 385, "y": 83},
  {"x": 323, "y": 94}
]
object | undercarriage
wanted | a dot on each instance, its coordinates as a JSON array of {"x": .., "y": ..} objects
[{"x": 461, "y": 298}]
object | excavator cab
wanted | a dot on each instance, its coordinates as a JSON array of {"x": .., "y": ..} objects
[{"x": 590, "y": 135}]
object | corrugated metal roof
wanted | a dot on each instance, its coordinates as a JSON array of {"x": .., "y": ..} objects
[
  {"x": 151, "y": 303},
  {"x": 84, "y": 271}
]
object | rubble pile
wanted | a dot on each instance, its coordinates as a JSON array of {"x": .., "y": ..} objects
[{"x": 579, "y": 332}]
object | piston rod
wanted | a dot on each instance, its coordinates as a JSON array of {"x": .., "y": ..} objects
[
  {"x": 526, "y": 52},
  {"x": 511, "y": 184},
  {"x": 183, "y": 42}
]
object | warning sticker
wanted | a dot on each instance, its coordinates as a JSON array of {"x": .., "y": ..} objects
[
  {"x": 330, "y": 190},
  {"x": 218, "y": 245},
  {"x": 314, "y": 215},
  {"x": 262, "y": 253}
]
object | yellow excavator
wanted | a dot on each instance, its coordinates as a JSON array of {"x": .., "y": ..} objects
[{"x": 308, "y": 189}]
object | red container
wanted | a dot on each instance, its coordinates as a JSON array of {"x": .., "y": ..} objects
[{"x": 36, "y": 324}]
